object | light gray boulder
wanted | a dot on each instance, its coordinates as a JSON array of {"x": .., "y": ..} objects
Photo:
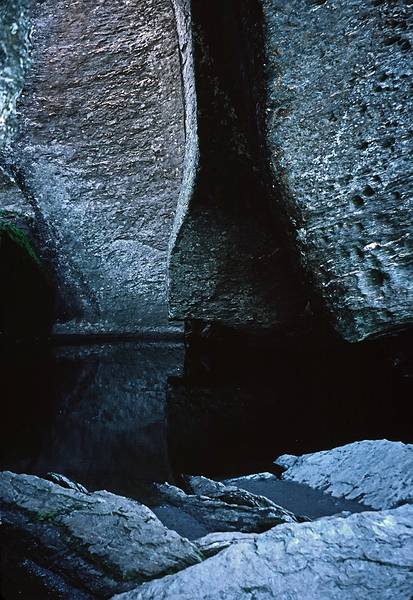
[
  {"x": 368, "y": 555},
  {"x": 100, "y": 543},
  {"x": 377, "y": 473},
  {"x": 213, "y": 543}
]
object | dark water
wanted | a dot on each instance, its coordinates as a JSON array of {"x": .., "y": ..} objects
[{"x": 118, "y": 415}]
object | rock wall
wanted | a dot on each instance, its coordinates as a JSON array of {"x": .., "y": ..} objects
[
  {"x": 264, "y": 163},
  {"x": 229, "y": 260},
  {"x": 339, "y": 130},
  {"x": 99, "y": 154}
]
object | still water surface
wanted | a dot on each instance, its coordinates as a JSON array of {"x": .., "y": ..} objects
[{"x": 118, "y": 415}]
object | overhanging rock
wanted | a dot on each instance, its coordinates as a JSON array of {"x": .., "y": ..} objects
[{"x": 338, "y": 125}]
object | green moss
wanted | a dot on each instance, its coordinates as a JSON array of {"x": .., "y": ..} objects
[
  {"x": 27, "y": 298},
  {"x": 19, "y": 238}
]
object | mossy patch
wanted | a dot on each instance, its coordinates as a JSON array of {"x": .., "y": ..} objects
[
  {"x": 20, "y": 238},
  {"x": 26, "y": 301}
]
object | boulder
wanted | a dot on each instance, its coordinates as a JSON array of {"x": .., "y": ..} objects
[
  {"x": 365, "y": 556},
  {"x": 216, "y": 542},
  {"x": 338, "y": 113},
  {"x": 225, "y": 509},
  {"x": 376, "y": 473},
  {"x": 230, "y": 494},
  {"x": 98, "y": 542}
]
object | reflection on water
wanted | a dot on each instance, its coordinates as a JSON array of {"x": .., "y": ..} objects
[
  {"x": 115, "y": 415},
  {"x": 94, "y": 413}
]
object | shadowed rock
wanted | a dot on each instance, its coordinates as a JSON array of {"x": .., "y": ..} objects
[
  {"x": 229, "y": 260},
  {"x": 228, "y": 493},
  {"x": 225, "y": 509}
]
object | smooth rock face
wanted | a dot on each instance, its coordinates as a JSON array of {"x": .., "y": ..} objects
[
  {"x": 99, "y": 542},
  {"x": 369, "y": 555},
  {"x": 99, "y": 153},
  {"x": 377, "y": 473},
  {"x": 338, "y": 118}
]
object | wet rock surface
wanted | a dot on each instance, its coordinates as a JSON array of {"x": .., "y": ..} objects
[
  {"x": 296, "y": 497},
  {"x": 14, "y": 57},
  {"x": 99, "y": 154},
  {"x": 368, "y": 555},
  {"x": 211, "y": 510},
  {"x": 97, "y": 542},
  {"x": 338, "y": 128},
  {"x": 377, "y": 473}
]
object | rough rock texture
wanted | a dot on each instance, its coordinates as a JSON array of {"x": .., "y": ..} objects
[
  {"x": 369, "y": 555},
  {"x": 227, "y": 493},
  {"x": 14, "y": 56},
  {"x": 377, "y": 473},
  {"x": 296, "y": 497},
  {"x": 339, "y": 131},
  {"x": 14, "y": 51},
  {"x": 99, "y": 155},
  {"x": 213, "y": 543},
  {"x": 228, "y": 259},
  {"x": 227, "y": 510},
  {"x": 66, "y": 482},
  {"x": 99, "y": 542}
]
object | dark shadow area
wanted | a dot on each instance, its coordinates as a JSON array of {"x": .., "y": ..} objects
[
  {"x": 121, "y": 416},
  {"x": 94, "y": 413},
  {"x": 116, "y": 415},
  {"x": 232, "y": 260},
  {"x": 27, "y": 297},
  {"x": 241, "y": 405}
]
